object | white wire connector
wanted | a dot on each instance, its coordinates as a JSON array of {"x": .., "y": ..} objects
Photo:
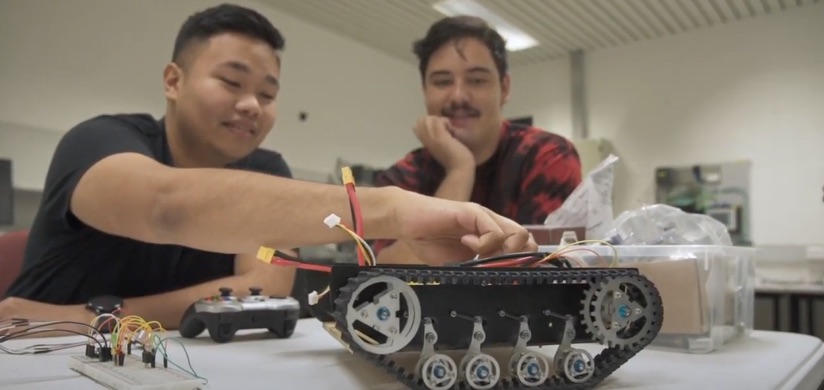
[
  {"x": 313, "y": 298},
  {"x": 332, "y": 220}
]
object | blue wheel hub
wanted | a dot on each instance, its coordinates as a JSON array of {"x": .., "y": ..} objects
[
  {"x": 579, "y": 366},
  {"x": 623, "y": 311},
  {"x": 439, "y": 371},
  {"x": 482, "y": 372},
  {"x": 532, "y": 369},
  {"x": 383, "y": 314}
]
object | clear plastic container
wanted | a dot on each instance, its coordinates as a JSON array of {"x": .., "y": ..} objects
[{"x": 708, "y": 291}]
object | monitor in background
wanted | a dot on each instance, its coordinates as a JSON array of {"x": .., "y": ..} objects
[{"x": 6, "y": 194}]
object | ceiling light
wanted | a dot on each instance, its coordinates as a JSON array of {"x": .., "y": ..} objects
[{"x": 516, "y": 39}]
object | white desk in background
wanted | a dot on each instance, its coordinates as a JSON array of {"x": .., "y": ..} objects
[{"x": 312, "y": 358}]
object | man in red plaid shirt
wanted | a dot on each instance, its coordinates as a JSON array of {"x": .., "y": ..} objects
[{"x": 469, "y": 152}]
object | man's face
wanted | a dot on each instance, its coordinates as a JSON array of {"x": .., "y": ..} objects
[
  {"x": 225, "y": 95},
  {"x": 462, "y": 83}
]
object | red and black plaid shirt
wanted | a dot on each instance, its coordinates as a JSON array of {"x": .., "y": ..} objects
[{"x": 529, "y": 176}]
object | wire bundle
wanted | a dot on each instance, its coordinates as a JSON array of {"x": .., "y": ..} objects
[
  {"x": 559, "y": 258},
  {"x": 134, "y": 330},
  {"x": 364, "y": 249},
  {"x": 365, "y": 253},
  {"x": 125, "y": 333},
  {"x": 16, "y": 328}
]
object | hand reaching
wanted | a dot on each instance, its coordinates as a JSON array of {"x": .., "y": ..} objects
[{"x": 441, "y": 231}]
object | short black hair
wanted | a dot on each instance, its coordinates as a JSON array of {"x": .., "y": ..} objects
[
  {"x": 454, "y": 28},
  {"x": 224, "y": 18}
]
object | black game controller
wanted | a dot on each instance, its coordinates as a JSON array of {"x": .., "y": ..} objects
[{"x": 223, "y": 315}]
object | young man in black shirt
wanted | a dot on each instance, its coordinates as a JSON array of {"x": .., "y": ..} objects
[{"x": 159, "y": 213}]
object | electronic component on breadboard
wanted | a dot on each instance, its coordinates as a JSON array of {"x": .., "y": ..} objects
[{"x": 134, "y": 374}]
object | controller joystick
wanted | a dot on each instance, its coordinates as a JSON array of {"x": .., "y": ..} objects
[
  {"x": 225, "y": 291},
  {"x": 224, "y": 317}
]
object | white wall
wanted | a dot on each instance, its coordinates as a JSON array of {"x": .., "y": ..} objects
[
  {"x": 64, "y": 61},
  {"x": 733, "y": 92},
  {"x": 542, "y": 91}
]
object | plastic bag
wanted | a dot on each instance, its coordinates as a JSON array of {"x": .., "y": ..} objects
[
  {"x": 661, "y": 224},
  {"x": 590, "y": 205}
]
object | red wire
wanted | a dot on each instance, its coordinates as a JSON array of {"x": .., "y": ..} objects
[
  {"x": 504, "y": 263},
  {"x": 358, "y": 217}
]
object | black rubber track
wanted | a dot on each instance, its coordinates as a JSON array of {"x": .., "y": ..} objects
[{"x": 606, "y": 362}]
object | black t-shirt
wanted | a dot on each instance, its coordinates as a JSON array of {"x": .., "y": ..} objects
[{"x": 68, "y": 262}]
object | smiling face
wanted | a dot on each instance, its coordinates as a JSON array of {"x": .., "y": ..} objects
[
  {"x": 462, "y": 83},
  {"x": 222, "y": 97}
]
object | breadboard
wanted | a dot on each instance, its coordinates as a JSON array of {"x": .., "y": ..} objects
[{"x": 133, "y": 375}]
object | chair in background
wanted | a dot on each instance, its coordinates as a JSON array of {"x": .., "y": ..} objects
[{"x": 12, "y": 248}]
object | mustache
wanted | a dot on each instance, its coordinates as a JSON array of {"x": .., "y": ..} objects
[{"x": 465, "y": 108}]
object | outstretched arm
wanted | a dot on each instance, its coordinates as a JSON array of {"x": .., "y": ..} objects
[{"x": 218, "y": 210}]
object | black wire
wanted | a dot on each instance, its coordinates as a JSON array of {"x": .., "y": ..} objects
[
  {"x": 29, "y": 328},
  {"x": 42, "y": 348},
  {"x": 289, "y": 257},
  {"x": 508, "y": 256},
  {"x": 352, "y": 212}
]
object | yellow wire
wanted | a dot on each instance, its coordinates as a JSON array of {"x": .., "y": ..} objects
[
  {"x": 347, "y": 176},
  {"x": 128, "y": 327},
  {"x": 362, "y": 245},
  {"x": 613, "y": 263},
  {"x": 568, "y": 247}
]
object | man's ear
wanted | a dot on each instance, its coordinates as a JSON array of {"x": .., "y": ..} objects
[
  {"x": 172, "y": 79},
  {"x": 505, "y": 84}
]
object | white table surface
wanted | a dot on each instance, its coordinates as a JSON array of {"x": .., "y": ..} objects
[{"x": 764, "y": 361}]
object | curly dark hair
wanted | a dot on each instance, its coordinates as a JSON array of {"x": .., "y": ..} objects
[
  {"x": 225, "y": 18},
  {"x": 455, "y": 28}
]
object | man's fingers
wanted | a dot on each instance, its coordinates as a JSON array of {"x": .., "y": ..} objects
[
  {"x": 516, "y": 242},
  {"x": 531, "y": 245},
  {"x": 516, "y": 238},
  {"x": 493, "y": 233},
  {"x": 471, "y": 241},
  {"x": 438, "y": 127},
  {"x": 489, "y": 236},
  {"x": 491, "y": 242}
]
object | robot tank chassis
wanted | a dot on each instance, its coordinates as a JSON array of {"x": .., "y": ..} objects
[{"x": 470, "y": 328}]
